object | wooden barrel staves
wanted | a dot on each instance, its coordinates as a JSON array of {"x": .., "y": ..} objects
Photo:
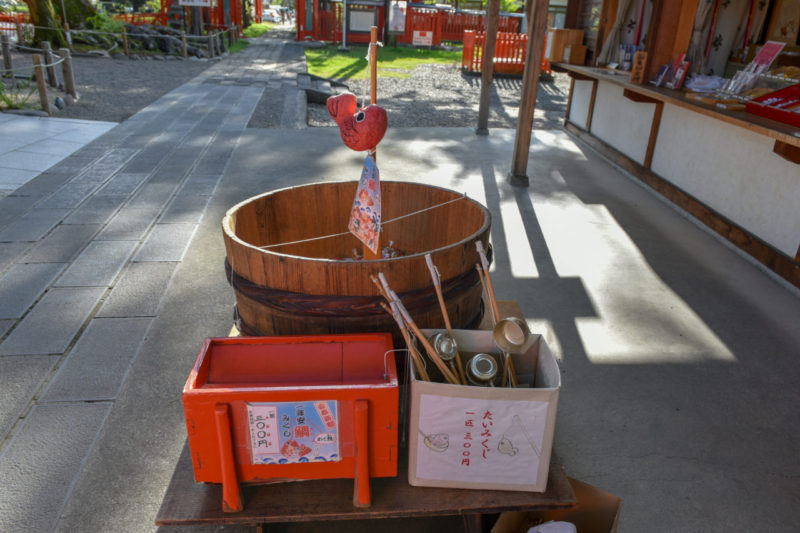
[{"x": 287, "y": 287}]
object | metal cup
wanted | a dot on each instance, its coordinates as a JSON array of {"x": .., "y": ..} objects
[
  {"x": 445, "y": 346},
  {"x": 481, "y": 370},
  {"x": 511, "y": 334}
]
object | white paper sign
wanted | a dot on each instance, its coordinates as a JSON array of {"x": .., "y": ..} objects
[
  {"x": 293, "y": 432},
  {"x": 422, "y": 38},
  {"x": 474, "y": 440}
]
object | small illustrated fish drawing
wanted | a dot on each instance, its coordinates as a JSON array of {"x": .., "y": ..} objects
[
  {"x": 506, "y": 447},
  {"x": 438, "y": 442},
  {"x": 361, "y": 129}
]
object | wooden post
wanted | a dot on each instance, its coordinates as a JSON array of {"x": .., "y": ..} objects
[
  {"x": 373, "y": 98},
  {"x": 20, "y": 34},
  {"x": 66, "y": 72},
  {"x": 361, "y": 490},
  {"x": 670, "y": 32},
  {"x": 183, "y": 45},
  {"x": 537, "y": 26},
  {"x": 125, "y": 42},
  {"x": 210, "y": 44},
  {"x": 47, "y": 50},
  {"x": 487, "y": 72},
  {"x": 38, "y": 70},
  {"x": 7, "y": 66}
]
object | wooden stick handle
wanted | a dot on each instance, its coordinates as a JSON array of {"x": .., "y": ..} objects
[
  {"x": 437, "y": 285},
  {"x": 448, "y": 375}
]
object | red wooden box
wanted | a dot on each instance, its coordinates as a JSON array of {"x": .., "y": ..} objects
[
  {"x": 759, "y": 106},
  {"x": 260, "y": 409}
]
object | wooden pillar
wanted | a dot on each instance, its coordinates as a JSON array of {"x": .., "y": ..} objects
[
  {"x": 38, "y": 70},
  {"x": 487, "y": 72},
  {"x": 125, "y": 49},
  {"x": 66, "y": 72},
  {"x": 7, "y": 65},
  {"x": 47, "y": 51},
  {"x": 670, "y": 32},
  {"x": 20, "y": 34},
  {"x": 184, "y": 51},
  {"x": 537, "y": 28}
]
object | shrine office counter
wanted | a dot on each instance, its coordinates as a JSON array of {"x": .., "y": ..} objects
[{"x": 737, "y": 172}]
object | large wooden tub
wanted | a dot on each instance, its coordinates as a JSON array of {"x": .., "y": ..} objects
[{"x": 315, "y": 287}]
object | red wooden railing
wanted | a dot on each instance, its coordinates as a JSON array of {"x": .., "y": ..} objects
[
  {"x": 450, "y": 26},
  {"x": 509, "y": 53},
  {"x": 8, "y": 20}
]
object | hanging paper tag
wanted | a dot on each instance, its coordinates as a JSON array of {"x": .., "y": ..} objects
[{"x": 365, "y": 217}]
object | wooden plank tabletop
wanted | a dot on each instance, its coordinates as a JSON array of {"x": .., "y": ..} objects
[{"x": 190, "y": 503}]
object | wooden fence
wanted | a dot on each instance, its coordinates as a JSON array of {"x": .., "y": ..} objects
[
  {"x": 450, "y": 26},
  {"x": 509, "y": 53},
  {"x": 443, "y": 25}
]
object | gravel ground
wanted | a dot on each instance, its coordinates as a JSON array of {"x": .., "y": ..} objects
[
  {"x": 113, "y": 89},
  {"x": 443, "y": 95}
]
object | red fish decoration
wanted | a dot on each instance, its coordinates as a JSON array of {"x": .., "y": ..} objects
[{"x": 361, "y": 129}]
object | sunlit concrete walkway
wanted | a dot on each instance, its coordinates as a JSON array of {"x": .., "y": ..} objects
[{"x": 679, "y": 356}]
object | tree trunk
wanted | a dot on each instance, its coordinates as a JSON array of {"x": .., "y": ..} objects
[
  {"x": 196, "y": 16},
  {"x": 77, "y": 12},
  {"x": 48, "y": 27}
]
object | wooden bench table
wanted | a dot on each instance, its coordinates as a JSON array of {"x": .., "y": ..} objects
[{"x": 189, "y": 503}]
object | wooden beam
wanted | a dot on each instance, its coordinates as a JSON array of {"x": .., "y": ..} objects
[
  {"x": 537, "y": 28},
  {"x": 670, "y": 31},
  {"x": 787, "y": 151},
  {"x": 492, "y": 18},
  {"x": 590, "y": 114},
  {"x": 569, "y": 98}
]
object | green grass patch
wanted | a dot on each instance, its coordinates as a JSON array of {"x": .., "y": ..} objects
[
  {"x": 257, "y": 30},
  {"x": 239, "y": 45},
  {"x": 397, "y": 62}
]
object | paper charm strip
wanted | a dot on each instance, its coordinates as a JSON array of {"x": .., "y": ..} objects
[{"x": 365, "y": 217}]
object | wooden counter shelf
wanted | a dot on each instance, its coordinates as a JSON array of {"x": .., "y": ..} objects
[
  {"x": 783, "y": 133},
  {"x": 188, "y": 503}
]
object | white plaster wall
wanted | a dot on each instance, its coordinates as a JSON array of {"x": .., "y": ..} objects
[
  {"x": 732, "y": 170},
  {"x": 579, "y": 109},
  {"x": 622, "y": 123}
]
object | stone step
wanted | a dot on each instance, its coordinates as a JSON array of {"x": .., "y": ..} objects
[{"x": 319, "y": 89}]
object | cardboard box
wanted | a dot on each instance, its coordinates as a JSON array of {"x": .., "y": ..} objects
[
  {"x": 575, "y": 54},
  {"x": 493, "y": 438},
  {"x": 558, "y": 39},
  {"x": 597, "y": 511}
]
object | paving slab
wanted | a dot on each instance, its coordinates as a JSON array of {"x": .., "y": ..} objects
[
  {"x": 33, "y": 225},
  {"x": 185, "y": 209},
  {"x": 23, "y": 284},
  {"x": 21, "y": 376},
  {"x": 108, "y": 347},
  {"x": 129, "y": 224},
  {"x": 36, "y": 481},
  {"x": 53, "y": 322},
  {"x": 123, "y": 183},
  {"x": 96, "y": 210},
  {"x": 9, "y": 251},
  {"x": 62, "y": 244},
  {"x": 166, "y": 242},
  {"x": 5, "y": 325},
  {"x": 139, "y": 291},
  {"x": 98, "y": 265}
]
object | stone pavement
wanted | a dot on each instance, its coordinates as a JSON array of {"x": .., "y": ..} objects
[
  {"x": 39, "y": 143},
  {"x": 679, "y": 356}
]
